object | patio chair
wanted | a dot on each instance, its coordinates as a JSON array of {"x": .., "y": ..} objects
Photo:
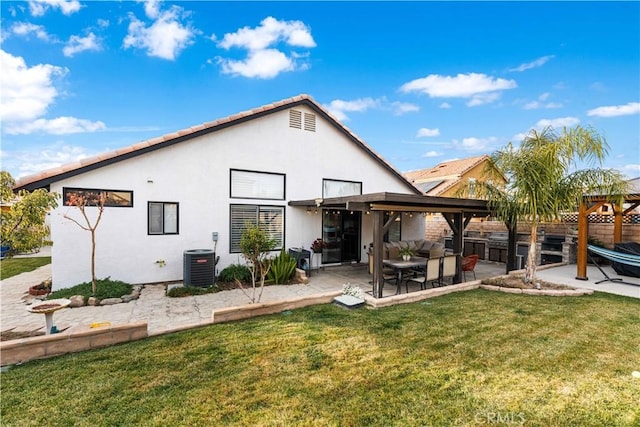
[
  {"x": 448, "y": 268},
  {"x": 388, "y": 274},
  {"x": 431, "y": 274},
  {"x": 469, "y": 264}
]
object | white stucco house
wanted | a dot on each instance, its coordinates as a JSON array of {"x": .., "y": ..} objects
[{"x": 171, "y": 193}]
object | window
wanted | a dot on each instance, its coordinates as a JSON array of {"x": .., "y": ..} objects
[
  {"x": 337, "y": 188},
  {"x": 269, "y": 218},
  {"x": 113, "y": 198},
  {"x": 257, "y": 185},
  {"x": 162, "y": 218}
]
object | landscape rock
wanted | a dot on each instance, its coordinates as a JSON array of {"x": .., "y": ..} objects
[
  {"x": 129, "y": 298},
  {"x": 76, "y": 301},
  {"x": 111, "y": 301},
  {"x": 93, "y": 301},
  {"x": 301, "y": 276}
]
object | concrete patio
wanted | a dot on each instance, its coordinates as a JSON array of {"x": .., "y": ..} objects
[{"x": 165, "y": 314}]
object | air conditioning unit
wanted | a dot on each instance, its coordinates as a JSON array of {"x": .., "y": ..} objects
[{"x": 199, "y": 267}]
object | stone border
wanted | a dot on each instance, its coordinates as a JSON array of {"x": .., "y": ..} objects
[
  {"x": 547, "y": 292},
  {"x": 74, "y": 339},
  {"x": 229, "y": 314}
]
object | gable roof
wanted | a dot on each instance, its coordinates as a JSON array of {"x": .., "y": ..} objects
[
  {"x": 443, "y": 176},
  {"x": 46, "y": 178}
]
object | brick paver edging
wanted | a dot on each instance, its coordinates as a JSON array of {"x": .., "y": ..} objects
[
  {"x": 74, "y": 339},
  {"x": 229, "y": 314},
  {"x": 467, "y": 286}
]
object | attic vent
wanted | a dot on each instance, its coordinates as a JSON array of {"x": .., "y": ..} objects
[
  {"x": 295, "y": 119},
  {"x": 310, "y": 122}
]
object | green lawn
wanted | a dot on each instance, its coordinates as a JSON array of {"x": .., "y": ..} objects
[
  {"x": 471, "y": 358},
  {"x": 13, "y": 266}
]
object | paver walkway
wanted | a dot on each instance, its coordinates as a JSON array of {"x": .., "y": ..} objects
[
  {"x": 164, "y": 314},
  {"x": 160, "y": 312}
]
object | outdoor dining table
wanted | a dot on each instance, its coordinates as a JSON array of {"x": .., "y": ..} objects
[{"x": 400, "y": 266}]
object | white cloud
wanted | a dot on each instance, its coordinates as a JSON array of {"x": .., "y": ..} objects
[
  {"x": 271, "y": 31},
  {"x": 263, "y": 64},
  {"x": 480, "y": 88},
  {"x": 445, "y": 105},
  {"x": 260, "y": 43},
  {"x": 67, "y": 7},
  {"x": 632, "y": 167},
  {"x": 34, "y": 161},
  {"x": 616, "y": 110},
  {"x": 400, "y": 108},
  {"x": 77, "y": 44},
  {"x": 534, "y": 105},
  {"x": 541, "y": 103},
  {"x": 24, "y": 29},
  {"x": 431, "y": 154},
  {"x": 533, "y": 64},
  {"x": 338, "y": 107},
  {"x": 165, "y": 38},
  {"x": 558, "y": 123},
  {"x": 425, "y": 132},
  {"x": 152, "y": 9},
  {"x": 27, "y": 93},
  {"x": 483, "y": 98},
  {"x": 103, "y": 23},
  {"x": 58, "y": 126},
  {"x": 475, "y": 144}
]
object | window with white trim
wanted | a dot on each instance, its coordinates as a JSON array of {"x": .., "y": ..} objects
[
  {"x": 247, "y": 184},
  {"x": 268, "y": 218},
  {"x": 162, "y": 218},
  {"x": 337, "y": 188}
]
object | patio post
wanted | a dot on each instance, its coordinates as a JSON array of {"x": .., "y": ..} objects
[
  {"x": 617, "y": 222},
  {"x": 378, "y": 233},
  {"x": 583, "y": 234}
]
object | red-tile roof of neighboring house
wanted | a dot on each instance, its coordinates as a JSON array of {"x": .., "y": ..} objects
[
  {"x": 45, "y": 178},
  {"x": 443, "y": 176}
]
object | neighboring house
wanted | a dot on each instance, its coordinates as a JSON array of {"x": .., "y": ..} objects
[
  {"x": 446, "y": 178},
  {"x": 170, "y": 194}
]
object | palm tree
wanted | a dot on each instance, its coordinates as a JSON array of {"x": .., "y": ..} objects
[{"x": 543, "y": 179}]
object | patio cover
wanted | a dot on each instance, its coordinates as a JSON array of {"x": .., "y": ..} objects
[
  {"x": 590, "y": 203},
  {"x": 457, "y": 212}
]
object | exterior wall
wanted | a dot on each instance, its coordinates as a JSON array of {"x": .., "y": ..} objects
[
  {"x": 196, "y": 174},
  {"x": 475, "y": 172}
]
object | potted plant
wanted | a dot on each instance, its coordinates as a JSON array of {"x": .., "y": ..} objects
[
  {"x": 406, "y": 253},
  {"x": 317, "y": 246},
  {"x": 43, "y": 288}
]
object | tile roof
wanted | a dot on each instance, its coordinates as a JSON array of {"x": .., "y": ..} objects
[
  {"x": 444, "y": 175},
  {"x": 45, "y": 178}
]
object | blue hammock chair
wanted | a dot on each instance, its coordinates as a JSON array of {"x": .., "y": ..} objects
[{"x": 631, "y": 260}]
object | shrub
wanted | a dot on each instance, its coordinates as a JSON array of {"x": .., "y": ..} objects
[
  {"x": 235, "y": 271},
  {"x": 283, "y": 267},
  {"x": 106, "y": 288}
]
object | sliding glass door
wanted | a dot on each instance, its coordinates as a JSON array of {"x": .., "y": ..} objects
[{"x": 341, "y": 234}]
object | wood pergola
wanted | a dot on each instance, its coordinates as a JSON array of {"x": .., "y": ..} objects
[
  {"x": 457, "y": 212},
  {"x": 588, "y": 206}
]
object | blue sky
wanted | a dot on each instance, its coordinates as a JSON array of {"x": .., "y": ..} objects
[{"x": 421, "y": 82}]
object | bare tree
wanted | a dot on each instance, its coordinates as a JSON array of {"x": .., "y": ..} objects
[{"x": 81, "y": 200}]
